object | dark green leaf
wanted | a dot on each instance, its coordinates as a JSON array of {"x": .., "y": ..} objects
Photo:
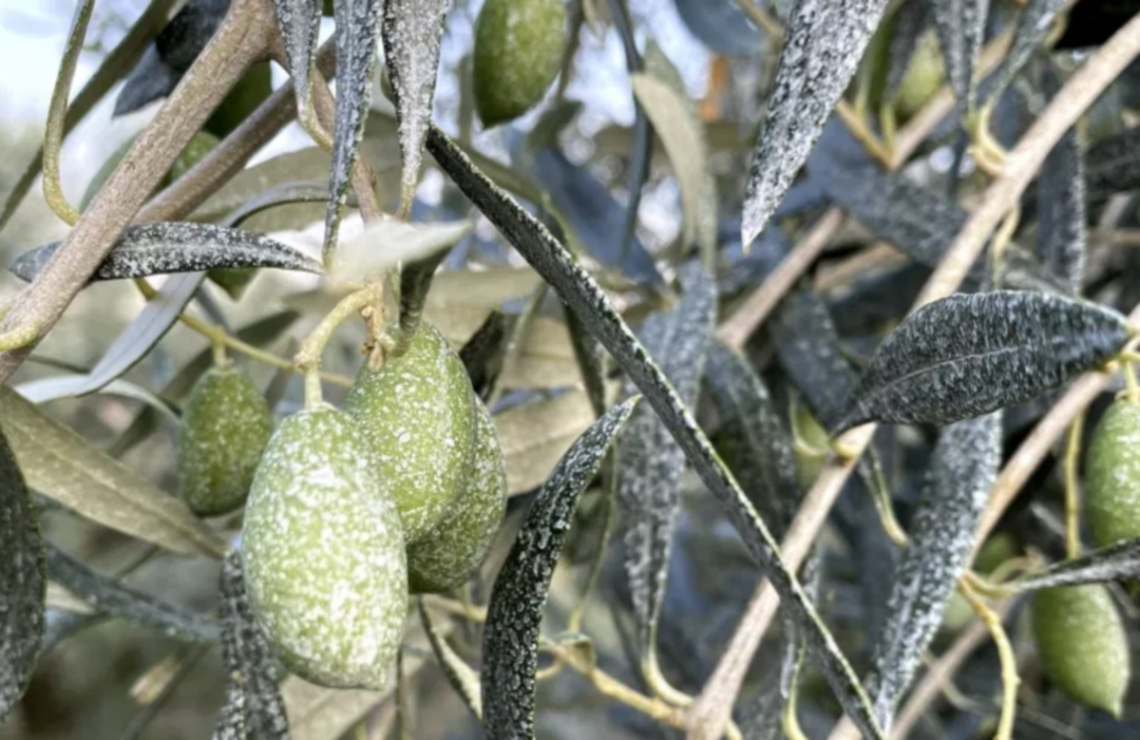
[
  {"x": 514, "y": 615},
  {"x": 961, "y": 26},
  {"x": 650, "y": 463},
  {"x": 22, "y": 583},
  {"x": 765, "y": 466},
  {"x": 412, "y": 31},
  {"x": 1112, "y": 165},
  {"x": 582, "y": 294},
  {"x": 357, "y": 34},
  {"x": 1033, "y": 23},
  {"x": 1061, "y": 204},
  {"x": 415, "y": 282},
  {"x": 483, "y": 354},
  {"x": 964, "y": 468},
  {"x": 823, "y": 45},
  {"x": 162, "y": 248},
  {"x": 589, "y": 353},
  {"x": 1119, "y": 562},
  {"x": 253, "y": 701},
  {"x": 299, "y": 21},
  {"x": 285, "y": 193},
  {"x": 112, "y": 597},
  {"x": 967, "y": 355}
]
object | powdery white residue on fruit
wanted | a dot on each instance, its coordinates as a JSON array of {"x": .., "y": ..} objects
[{"x": 324, "y": 553}]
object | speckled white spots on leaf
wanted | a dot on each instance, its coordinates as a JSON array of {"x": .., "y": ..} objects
[
  {"x": 961, "y": 27},
  {"x": 325, "y": 567},
  {"x": 299, "y": 21}
]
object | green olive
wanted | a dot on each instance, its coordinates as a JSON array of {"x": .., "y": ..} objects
[
  {"x": 325, "y": 566},
  {"x": 1112, "y": 501},
  {"x": 1082, "y": 644},
  {"x": 519, "y": 46},
  {"x": 418, "y": 417},
  {"x": 447, "y": 555},
  {"x": 922, "y": 79},
  {"x": 227, "y": 424}
]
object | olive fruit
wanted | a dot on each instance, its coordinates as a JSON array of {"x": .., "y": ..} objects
[
  {"x": 418, "y": 417},
  {"x": 227, "y": 424},
  {"x": 519, "y": 46},
  {"x": 325, "y": 566},
  {"x": 447, "y": 555},
  {"x": 1112, "y": 501},
  {"x": 923, "y": 77},
  {"x": 1082, "y": 644}
]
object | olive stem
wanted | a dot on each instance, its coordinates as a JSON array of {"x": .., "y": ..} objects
[
  {"x": 651, "y": 671},
  {"x": 308, "y": 358},
  {"x": 1073, "y": 488},
  {"x": 1133, "y": 387},
  {"x": 1009, "y": 678},
  {"x": 789, "y": 720},
  {"x": 858, "y": 128}
]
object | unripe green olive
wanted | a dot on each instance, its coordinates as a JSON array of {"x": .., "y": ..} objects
[
  {"x": 1112, "y": 501},
  {"x": 922, "y": 79},
  {"x": 447, "y": 555},
  {"x": 418, "y": 417},
  {"x": 1082, "y": 644},
  {"x": 519, "y": 46},
  {"x": 226, "y": 426},
  {"x": 325, "y": 565}
]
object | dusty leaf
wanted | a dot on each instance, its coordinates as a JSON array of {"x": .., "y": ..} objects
[
  {"x": 961, "y": 27},
  {"x": 1112, "y": 165},
  {"x": 22, "y": 582},
  {"x": 964, "y": 468},
  {"x": 106, "y": 595},
  {"x": 514, "y": 615},
  {"x": 535, "y": 436},
  {"x": 163, "y": 248},
  {"x": 1033, "y": 24},
  {"x": 583, "y": 296},
  {"x": 42, "y": 390},
  {"x": 412, "y": 31},
  {"x": 482, "y": 353},
  {"x": 1119, "y": 562},
  {"x": 968, "y": 355},
  {"x": 63, "y": 466},
  {"x": 545, "y": 360},
  {"x": 822, "y": 47},
  {"x": 1062, "y": 232},
  {"x": 299, "y": 21}
]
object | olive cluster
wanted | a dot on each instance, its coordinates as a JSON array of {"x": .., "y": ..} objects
[{"x": 350, "y": 510}]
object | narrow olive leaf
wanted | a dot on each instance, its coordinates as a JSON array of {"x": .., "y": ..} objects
[
  {"x": 1119, "y": 562},
  {"x": 141, "y": 335},
  {"x": 23, "y": 586},
  {"x": 650, "y": 463},
  {"x": 415, "y": 282},
  {"x": 910, "y": 23},
  {"x": 63, "y": 466},
  {"x": 961, "y": 27},
  {"x": 299, "y": 21},
  {"x": 1112, "y": 165},
  {"x": 357, "y": 34},
  {"x": 282, "y": 194},
  {"x": 463, "y": 679},
  {"x": 252, "y": 697},
  {"x": 588, "y": 351},
  {"x": 412, "y": 32},
  {"x": 964, "y": 467},
  {"x": 583, "y": 295},
  {"x": 762, "y": 446},
  {"x": 163, "y": 248},
  {"x": 43, "y": 390},
  {"x": 174, "y": 50},
  {"x": 308, "y": 164},
  {"x": 1033, "y": 23},
  {"x": 1062, "y": 232},
  {"x": 535, "y": 436},
  {"x": 514, "y": 615},
  {"x": 822, "y": 48},
  {"x": 482, "y": 354},
  {"x": 107, "y": 595},
  {"x": 384, "y": 244},
  {"x": 967, "y": 355}
]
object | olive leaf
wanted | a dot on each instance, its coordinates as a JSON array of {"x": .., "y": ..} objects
[
  {"x": 173, "y": 51},
  {"x": 63, "y": 466},
  {"x": 967, "y": 355},
  {"x": 107, "y": 595},
  {"x": 1119, "y": 562},
  {"x": 22, "y": 582},
  {"x": 253, "y": 701},
  {"x": 1033, "y": 23},
  {"x": 415, "y": 282},
  {"x": 482, "y": 354},
  {"x": 42, "y": 390},
  {"x": 384, "y": 244},
  {"x": 583, "y": 295},
  {"x": 589, "y": 353},
  {"x": 961, "y": 27},
  {"x": 640, "y": 153},
  {"x": 299, "y": 21},
  {"x": 762, "y": 445},
  {"x": 1112, "y": 165},
  {"x": 357, "y": 34},
  {"x": 307, "y": 164},
  {"x": 412, "y": 31},
  {"x": 514, "y": 614},
  {"x": 964, "y": 467},
  {"x": 823, "y": 44},
  {"x": 1061, "y": 228},
  {"x": 721, "y": 25},
  {"x": 162, "y": 248},
  {"x": 535, "y": 436},
  {"x": 282, "y": 194},
  {"x": 650, "y": 463},
  {"x": 908, "y": 26},
  {"x": 463, "y": 679}
]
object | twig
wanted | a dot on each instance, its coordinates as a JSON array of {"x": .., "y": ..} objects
[
  {"x": 1073, "y": 488},
  {"x": 57, "y": 113},
  {"x": 714, "y": 704},
  {"x": 241, "y": 40},
  {"x": 1009, "y": 678}
]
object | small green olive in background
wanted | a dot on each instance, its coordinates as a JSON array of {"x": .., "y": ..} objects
[{"x": 1112, "y": 495}]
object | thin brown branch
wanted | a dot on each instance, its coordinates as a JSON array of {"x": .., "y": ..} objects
[
  {"x": 714, "y": 704},
  {"x": 241, "y": 40}
]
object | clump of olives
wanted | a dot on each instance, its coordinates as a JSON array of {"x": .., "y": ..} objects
[
  {"x": 519, "y": 46},
  {"x": 227, "y": 424}
]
